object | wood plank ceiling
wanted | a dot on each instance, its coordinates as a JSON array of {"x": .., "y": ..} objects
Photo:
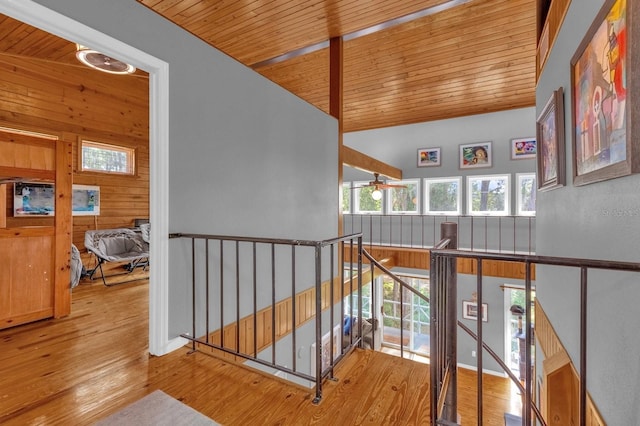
[
  {"x": 446, "y": 58},
  {"x": 473, "y": 56}
]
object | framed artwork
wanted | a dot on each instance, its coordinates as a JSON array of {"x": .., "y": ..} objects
[
  {"x": 523, "y": 148},
  {"x": 551, "y": 149},
  {"x": 602, "y": 96},
  {"x": 470, "y": 311},
  {"x": 33, "y": 199},
  {"x": 429, "y": 157},
  {"x": 85, "y": 200},
  {"x": 475, "y": 155}
]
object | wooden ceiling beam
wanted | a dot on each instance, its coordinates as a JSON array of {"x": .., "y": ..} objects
[{"x": 360, "y": 161}]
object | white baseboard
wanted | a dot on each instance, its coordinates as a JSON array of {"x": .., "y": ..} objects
[{"x": 484, "y": 370}]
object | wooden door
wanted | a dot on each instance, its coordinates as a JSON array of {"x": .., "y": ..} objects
[{"x": 35, "y": 247}]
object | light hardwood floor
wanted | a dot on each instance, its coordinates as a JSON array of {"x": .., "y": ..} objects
[{"x": 79, "y": 369}]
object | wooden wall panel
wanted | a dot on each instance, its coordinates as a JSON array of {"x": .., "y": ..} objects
[
  {"x": 56, "y": 98},
  {"x": 420, "y": 259},
  {"x": 25, "y": 281}
]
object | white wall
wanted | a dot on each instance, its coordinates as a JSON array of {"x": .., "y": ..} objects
[
  {"x": 245, "y": 155},
  {"x": 593, "y": 221}
]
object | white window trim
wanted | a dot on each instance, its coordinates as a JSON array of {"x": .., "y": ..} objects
[
  {"x": 519, "y": 178},
  {"x": 507, "y": 205},
  {"x": 128, "y": 151},
  {"x": 347, "y": 186},
  {"x": 427, "y": 185},
  {"x": 355, "y": 207},
  {"x": 389, "y": 198}
]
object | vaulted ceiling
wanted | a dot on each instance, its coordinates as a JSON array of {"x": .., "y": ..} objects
[{"x": 404, "y": 61}]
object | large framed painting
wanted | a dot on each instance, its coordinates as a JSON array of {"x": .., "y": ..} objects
[
  {"x": 550, "y": 138},
  {"x": 603, "y": 114}
]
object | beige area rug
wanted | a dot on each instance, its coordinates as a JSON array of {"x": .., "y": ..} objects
[{"x": 157, "y": 409}]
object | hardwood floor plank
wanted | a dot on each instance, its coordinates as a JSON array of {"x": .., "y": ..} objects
[{"x": 80, "y": 369}]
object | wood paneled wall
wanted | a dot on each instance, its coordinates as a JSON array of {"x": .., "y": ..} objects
[
  {"x": 559, "y": 397},
  {"x": 51, "y": 97},
  {"x": 420, "y": 259}
]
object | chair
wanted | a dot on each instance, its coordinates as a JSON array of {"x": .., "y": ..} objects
[{"x": 116, "y": 245}]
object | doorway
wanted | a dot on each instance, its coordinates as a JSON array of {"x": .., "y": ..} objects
[
  {"x": 47, "y": 20},
  {"x": 514, "y": 302}
]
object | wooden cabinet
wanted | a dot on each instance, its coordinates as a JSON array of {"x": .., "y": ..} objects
[{"x": 34, "y": 251}]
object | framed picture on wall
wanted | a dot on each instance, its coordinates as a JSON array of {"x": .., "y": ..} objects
[
  {"x": 523, "y": 148},
  {"x": 602, "y": 98},
  {"x": 550, "y": 138},
  {"x": 33, "y": 199},
  {"x": 470, "y": 311},
  {"x": 429, "y": 157},
  {"x": 475, "y": 155}
]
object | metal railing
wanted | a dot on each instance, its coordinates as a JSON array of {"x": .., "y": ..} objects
[
  {"x": 444, "y": 398},
  {"x": 502, "y": 234},
  {"x": 250, "y": 299}
]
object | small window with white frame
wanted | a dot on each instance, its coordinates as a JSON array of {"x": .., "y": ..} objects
[
  {"x": 405, "y": 199},
  {"x": 106, "y": 158},
  {"x": 366, "y": 199},
  {"x": 526, "y": 194},
  {"x": 346, "y": 197},
  {"x": 488, "y": 195},
  {"x": 443, "y": 196}
]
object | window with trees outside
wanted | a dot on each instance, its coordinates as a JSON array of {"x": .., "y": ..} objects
[
  {"x": 363, "y": 202},
  {"x": 443, "y": 196},
  {"x": 346, "y": 197},
  {"x": 404, "y": 200},
  {"x": 526, "y": 202},
  {"x": 106, "y": 158},
  {"x": 488, "y": 195}
]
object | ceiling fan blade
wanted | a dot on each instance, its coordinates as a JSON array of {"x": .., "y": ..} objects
[{"x": 388, "y": 185}]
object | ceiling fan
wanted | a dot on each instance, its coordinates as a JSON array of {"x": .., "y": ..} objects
[{"x": 378, "y": 186}]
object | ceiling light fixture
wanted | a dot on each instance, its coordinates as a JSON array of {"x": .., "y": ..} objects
[
  {"x": 102, "y": 62},
  {"x": 376, "y": 194}
]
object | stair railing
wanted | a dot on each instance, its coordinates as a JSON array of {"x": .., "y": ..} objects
[
  {"x": 446, "y": 413},
  {"x": 267, "y": 300}
]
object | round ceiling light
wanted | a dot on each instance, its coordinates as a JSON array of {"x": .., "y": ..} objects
[{"x": 102, "y": 62}]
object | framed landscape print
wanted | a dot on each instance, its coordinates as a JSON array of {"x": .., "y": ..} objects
[
  {"x": 429, "y": 157},
  {"x": 475, "y": 155},
  {"x": 603, "y": 114},
  {"x": 550, "y": 138},
  {"x": 523, "y": 148}
]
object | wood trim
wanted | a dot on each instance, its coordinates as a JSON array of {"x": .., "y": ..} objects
[
  {"x": 549, "y": 31},
  {"x": 26, "y": 318},
  {"x": 555, "y": 358},
  {"x": 3, "y": 205},
  {"x": 360, "y": 161},
  {"x": 420, "y": 259},
  {"x": 36, "y": 231},
  {"x": 49, "y": 175},
  {"x": 63, "y": 227},
  {"x": 336, "y": 110}
]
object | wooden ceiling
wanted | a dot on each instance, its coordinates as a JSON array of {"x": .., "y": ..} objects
[
  {"x": 441, "y": 59},
  {"x": 474, "y": 56}
]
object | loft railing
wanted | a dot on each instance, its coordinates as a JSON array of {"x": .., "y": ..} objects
[
  {"x": 444, "y": 314},
  {"x": 269, "y": 301},
  {"x": 502, "y": 234}
]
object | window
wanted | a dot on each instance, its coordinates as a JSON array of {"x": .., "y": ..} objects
[
  {"x": 488, "y": 195},
  {"x": 403, "y": 200},
  {"x": 346, "y": 198},
  {"x": 105, "y": 158},
  {"x": 442, "y": 196},
  {"x": 526, "y": 196},
  {"x": 363, "y": 201}
]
